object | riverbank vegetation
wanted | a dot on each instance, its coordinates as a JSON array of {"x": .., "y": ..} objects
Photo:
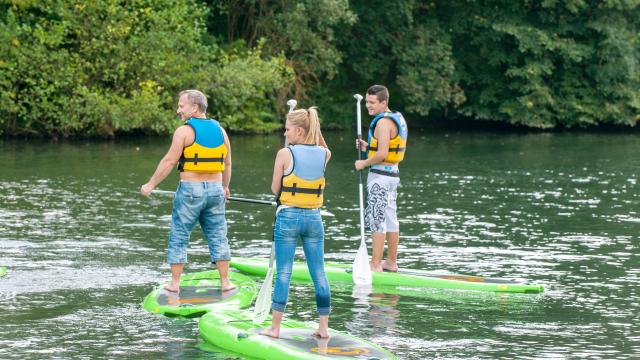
[{"x": 107, "y": 67}]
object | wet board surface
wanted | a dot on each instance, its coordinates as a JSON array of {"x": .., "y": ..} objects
[
  {"x": 336, "y": 346},
  {"x": 189, "y": 295},
  {"x": 200, "y": 293},
  {"x": 234, "y": 330}
]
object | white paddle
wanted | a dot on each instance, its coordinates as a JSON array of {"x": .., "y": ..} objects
[
  {"x": 263, "y": 302},
  {"x": 361, "y": 269},
  {"x": 292, "y": 104}
]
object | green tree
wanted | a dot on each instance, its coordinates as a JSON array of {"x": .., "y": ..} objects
[
  {"x": 547, "y": 64},
  {"x": 304, "y": 31},
  {"x": 110, "y": 66},
  {"x": 402, "y": 45},
  {"x": 244, "y": 90},
  {"x": 539, "y": 64}
]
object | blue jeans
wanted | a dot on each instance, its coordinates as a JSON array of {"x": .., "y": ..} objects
[
  {"x": 202, "y": 202},
  {"x": 292, "y": 223}
]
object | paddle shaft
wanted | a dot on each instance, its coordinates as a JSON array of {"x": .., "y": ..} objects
[
  {"x": 252, "y": 201},
  {"x": 361, "y": 270},
  {"x": 360, "y": 190},
  {"x": 261, "y": 308},
  {"x": 240, "y": 199},
  {"x": 231, "y": 198}
]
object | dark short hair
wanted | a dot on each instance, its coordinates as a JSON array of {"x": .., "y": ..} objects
[{"x": 380, "y": 92}]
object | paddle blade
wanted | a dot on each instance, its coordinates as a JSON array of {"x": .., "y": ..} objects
[
  {"x": 361, "y": 269},
  {"x": 263, "y": 303},
  {"x": 326, "y": 213}
]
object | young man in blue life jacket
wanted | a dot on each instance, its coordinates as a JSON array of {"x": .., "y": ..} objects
[
  {"x": 202, "y": 151},
  {"x": 385, "y": 147}
]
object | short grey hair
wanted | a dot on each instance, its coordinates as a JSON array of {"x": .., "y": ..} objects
[{"x": 198, "y": 98}]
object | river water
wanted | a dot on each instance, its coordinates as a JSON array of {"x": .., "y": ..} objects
[{"x": 559, "y": 209}]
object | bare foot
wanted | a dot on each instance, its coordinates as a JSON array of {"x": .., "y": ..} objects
[
  {"x": 173, "y": 298},
  {"x": 228, "y": 287},
  {"x": 321, "y": 333},
  {"x": 322, "y": 344},
  {"x": 270, "y": 331},
  {"x": 175, "y": 288},
  {"x": 390, "y": 266},
  {"x": 375, "y": 268}
]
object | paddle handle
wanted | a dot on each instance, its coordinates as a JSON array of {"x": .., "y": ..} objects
[{"x": 292, "y": 105}]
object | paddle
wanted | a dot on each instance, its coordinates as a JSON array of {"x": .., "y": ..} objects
[
  {"x": 263, "y": 302},
  {"x": 292, "y": 104},
  {"x": 361, "y": 269},
  {"x": 241, "y": 199}
]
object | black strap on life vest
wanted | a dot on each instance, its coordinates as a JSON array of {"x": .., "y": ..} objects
[
  {"x": 396, "y": 149},
  {"x": 195, "y": 160},
  {"x": 295, "y": 189}
]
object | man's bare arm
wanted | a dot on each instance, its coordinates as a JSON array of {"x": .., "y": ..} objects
[
  {"x": 383, "y": 134},
  {"x": 226, "y": 174},
  {"x": 168, "y": 162}
]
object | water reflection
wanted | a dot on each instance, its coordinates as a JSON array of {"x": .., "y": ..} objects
[
  {"x": 84, "y": 249},
  {"x": 376, "y": 309}
]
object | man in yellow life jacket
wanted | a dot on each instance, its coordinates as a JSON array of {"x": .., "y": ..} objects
[
  {"x": 202, "y": 152},
  {"x": 385, "y": 147}
]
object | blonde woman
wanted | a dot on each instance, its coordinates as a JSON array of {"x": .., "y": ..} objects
[{"x": 298, "y": 180}]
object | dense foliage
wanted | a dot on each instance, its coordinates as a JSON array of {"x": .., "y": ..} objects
[
  {"x": 102, "y": 67},
  {"x": 105, "y": 67},
  {"x": 541, "y": 64}
]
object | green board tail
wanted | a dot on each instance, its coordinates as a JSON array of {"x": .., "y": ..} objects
[
  {"x": 234, "y": 330},
  {"x": 409, "y": 278},
  {"x": 200, "y": 293}
]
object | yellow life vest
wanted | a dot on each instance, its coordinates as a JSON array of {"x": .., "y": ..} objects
[
  {"x": 206, "y": 154},
  {"x": 397, "y": 145},
  {"x": 304, "y": 186}
]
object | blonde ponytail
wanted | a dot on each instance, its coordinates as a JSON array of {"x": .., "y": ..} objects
[{"x": 309, "y": 121}]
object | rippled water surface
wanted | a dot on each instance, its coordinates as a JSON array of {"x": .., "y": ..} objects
[{"x": 83, "y": 247}]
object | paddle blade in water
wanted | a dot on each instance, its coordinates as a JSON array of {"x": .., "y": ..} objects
[
  {"x": 361, "y": 269},
  {"x": 263, "y": 303}
]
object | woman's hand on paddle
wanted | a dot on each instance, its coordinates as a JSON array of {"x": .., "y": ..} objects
[
  {"x": 360, "y": 164},
  {"x": 363, "y": 144},
  {"x": 227, "y": 193}
]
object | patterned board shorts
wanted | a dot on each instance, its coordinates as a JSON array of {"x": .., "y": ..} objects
[{"x": 380, "y": 213}]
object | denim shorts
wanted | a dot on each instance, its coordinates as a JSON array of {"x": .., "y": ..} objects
[{"x": 202, "y": 202}]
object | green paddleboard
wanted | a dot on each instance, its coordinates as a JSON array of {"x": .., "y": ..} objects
[
  {"x": 200, "y": 293},
  {"x": 234, "y": 330},
  {"x": 410, "y": 278},
  {"x": 3, "y": 271}
]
